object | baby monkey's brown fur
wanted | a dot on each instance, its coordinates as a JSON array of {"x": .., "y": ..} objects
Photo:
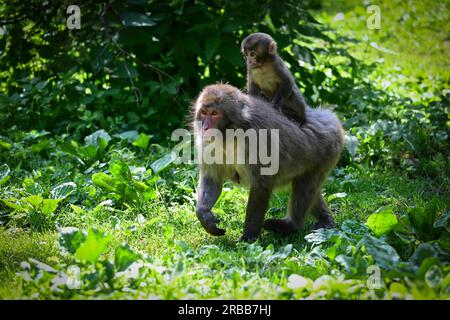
[{"x": 268, "y": 76}]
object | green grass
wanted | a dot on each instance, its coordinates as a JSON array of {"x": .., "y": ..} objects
[
  {"x": 416, "y": 32},
  {"x": 161, "y": 233}
]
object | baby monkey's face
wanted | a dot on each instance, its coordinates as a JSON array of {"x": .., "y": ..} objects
[
  {"x": 256, "y": 49},
  {"x": 253, "y": 59}
]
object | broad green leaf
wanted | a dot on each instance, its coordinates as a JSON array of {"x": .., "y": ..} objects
[
  {"x": 13, "y": 205},
  {"x": 134, "y": 19},
  {"x": 4, "y": 173},
  {"x": 163, "y": 162},
  {"x": 426, "y": 264},
  {"x": 34, "y": 200},
  {"x": 63, "y": 190},
  {"x": 336, "y": 196},
  {"x": 428, "y": 250},
  {"x": 33, "y": 134},
  {"x": 322, "y": 235},
  {"x": 73, "y": 280},
  {"x": 77, "y": 209},
  {"x": 382, "y": 222},
  {"x": 102, "y": 144},
  {"x": 92, "y": 139},
  {"x": 124, "y": 257},
  {"x": 323, "y": 282},
  {"x": 95, "y": 244},
  {"x": 88, "y": 152},
  {"x": 433, "y": 276},
  {"x": 404, "y": 236},
  {"x": 41, "y": 145},
  {"x": 351, "y": 144},
  {"x": 355, "y": 229},
  {"x": 49, "y": 206},
  {"x": 5, "y": 143},
  {"x": 169, "y": 88},
  {"x": 142, "y": 141},
  {"x": 72, "y": 149},
  {"x": 41, "y": 85},
  {"x": 296, "y": 281},
  {"x": 133, "y": 117},
  {"x": 284, "y": 252},
  {"x": 382, "y": 253},
  {"x": 138, "y": 172},
  {"x": 442, "y": 222},
  {"x": 148, "y": 192},
  {"x": 104, "y": 181},
  {"x": 33, "y": 187},
  {"x": 119, "y": 169},
  {"x": 348, "y": 263},
  {"x": 332, "y": 251},
  {"x": 128, "y": 192},
  {"x": 131, "y": 135},
  {"x": 70, "y": 239},
  {"x": 398, "y": 289},
  {"x": 423, "y": 219}
]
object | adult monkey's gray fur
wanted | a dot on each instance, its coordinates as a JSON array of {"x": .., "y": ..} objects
[{"x": 307, "y": 154}]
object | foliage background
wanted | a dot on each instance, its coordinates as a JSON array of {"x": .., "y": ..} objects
[{"x": 91, "y": 204}]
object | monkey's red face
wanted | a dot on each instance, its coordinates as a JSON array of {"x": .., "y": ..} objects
[{"x": 210, "y": 117}]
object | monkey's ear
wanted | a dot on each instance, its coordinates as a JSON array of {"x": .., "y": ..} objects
[{"x": 273, "y": 47}]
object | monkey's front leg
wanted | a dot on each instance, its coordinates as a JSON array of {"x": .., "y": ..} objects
[
  {"x": 256, "y": 208},
  {"x": 283, "y": 92},
  {"x": 208, "y": 193},
  {"x": 253, "y": 90}
]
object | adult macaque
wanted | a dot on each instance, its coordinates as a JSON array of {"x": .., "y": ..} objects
[
  {"x": 306, "y": 155},
  {"x": 268, "y": 76}
]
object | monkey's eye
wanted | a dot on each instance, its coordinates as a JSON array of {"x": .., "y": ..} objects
[
  {"x": 252, "y": 54},
  {"x": 214, "y": 113},
  {"x": 203, "y": 112}
]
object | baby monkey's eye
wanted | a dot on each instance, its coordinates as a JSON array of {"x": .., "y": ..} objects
[{"x": 252, "y": 54}]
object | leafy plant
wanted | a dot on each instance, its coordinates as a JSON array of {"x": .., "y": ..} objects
[
  {"x": 33, "y": 211},
  {"x": 122, "y": 185}
]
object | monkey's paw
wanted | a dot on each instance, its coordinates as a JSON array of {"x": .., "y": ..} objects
[
  {"x": 210, "y": 225},
  {"x": 209, "y": 222},
  {"x": 326, "y": 224},
  {"x": 248, "y": 238},
  {"x": 214, "y": 230},
  {"x": 279, "y": 226}
]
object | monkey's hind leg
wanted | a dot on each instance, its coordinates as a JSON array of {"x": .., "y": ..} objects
[
  {"x": 302, "y": 197},
  {"x": 322, "y": 213}
]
